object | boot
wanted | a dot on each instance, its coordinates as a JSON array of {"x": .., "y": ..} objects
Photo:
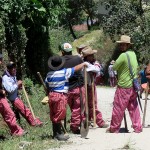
[{"x": 57, "y": 133}]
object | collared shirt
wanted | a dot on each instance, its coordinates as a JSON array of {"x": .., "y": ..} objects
[
  {"x": 10, "y": 84},
  {"x": 58, "y": 80},
  {"x": 93, "y": 71}
]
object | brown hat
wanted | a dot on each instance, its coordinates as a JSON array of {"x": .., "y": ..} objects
[
  {"x": 88, "y": 51},
  {"x": 56, "y": 62},
  {"x": 125, "y": 39},
  {"x": 80, "y": 48}
]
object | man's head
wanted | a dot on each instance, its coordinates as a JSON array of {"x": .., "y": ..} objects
[
  {"x": 56, "y": 62},
  {"x": 88, "y": 54},
  {"x": 66, "y": 49},
  {"x": 124, "y": 43},
  {"x": 11, "y": 67}
]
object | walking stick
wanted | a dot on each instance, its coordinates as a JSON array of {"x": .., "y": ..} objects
[
  {"x": 27, "y": 98},
  {"x": 125, "y": 123},
  {"x": 45, "y": 88},
  {"x": 145, "y": 106},
  {"x": 93, "y": 100},
  {"x": 85, "y": 124}
]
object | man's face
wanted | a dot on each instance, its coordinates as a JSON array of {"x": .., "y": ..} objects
[
  {"x": 91, "y": 58},
  {"x": 12, "y": 71},
  {"x": 124, "y": 46}
]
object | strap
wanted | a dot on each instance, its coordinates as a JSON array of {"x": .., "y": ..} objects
[{"x": 129, "y": 64}]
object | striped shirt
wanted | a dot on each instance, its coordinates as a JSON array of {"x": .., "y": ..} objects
[{"x": 58, "y": 81}]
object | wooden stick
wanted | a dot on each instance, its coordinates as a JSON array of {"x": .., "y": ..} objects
[
  {"x": 27, "y": 98},
  {"x": 86, "y": 98},
  {"x": 41, "y": 79},
  {"x": 145, "y": 106},
  {"x": 125, "y": 123},
  {"x": 93, "y": 101}
]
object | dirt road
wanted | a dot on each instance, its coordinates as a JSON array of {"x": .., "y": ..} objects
[{"x": 97, "y": 139}]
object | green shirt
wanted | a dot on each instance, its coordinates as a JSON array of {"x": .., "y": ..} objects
[{"x": 122, "y": 68}]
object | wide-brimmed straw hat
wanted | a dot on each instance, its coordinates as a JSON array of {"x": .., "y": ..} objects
[
  {"x": 80, "y": 48},
  {"x": 88, "y": 51},
  {"x": 125, "y": 39},
  {"x": 56, "y": 62}
]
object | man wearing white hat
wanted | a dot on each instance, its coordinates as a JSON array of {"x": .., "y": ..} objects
[{"x": 125, "y": 95}]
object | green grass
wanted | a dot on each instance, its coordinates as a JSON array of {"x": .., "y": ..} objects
[{"x": 41, "y": 137}]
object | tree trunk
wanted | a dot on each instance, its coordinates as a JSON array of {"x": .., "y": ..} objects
[
  {"x": 71, "y": 30},
  {"x": 87, "y": 21}
]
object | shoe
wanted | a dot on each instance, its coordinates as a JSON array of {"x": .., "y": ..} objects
[
  {"x": 76, "y": 131},
  {"x": 108, "y": 130},
  {"x": 61, "y": 137},
  {"x": 105, "y": 125}
]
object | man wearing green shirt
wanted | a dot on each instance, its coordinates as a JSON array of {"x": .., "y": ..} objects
[{"x": 125, "y": 95}]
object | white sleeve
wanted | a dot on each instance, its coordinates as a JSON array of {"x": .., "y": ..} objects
[{"x": 93, "y": 68}]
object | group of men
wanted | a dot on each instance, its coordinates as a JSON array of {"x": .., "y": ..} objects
[{"x": 65, "y": 84}]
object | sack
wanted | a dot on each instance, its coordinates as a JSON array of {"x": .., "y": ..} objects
[{"x": 136, "y": 84}]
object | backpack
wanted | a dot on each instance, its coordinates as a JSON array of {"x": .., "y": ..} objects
[{"x": 147, "y": 72}]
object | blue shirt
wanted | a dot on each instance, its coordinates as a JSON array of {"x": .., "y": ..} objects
[
  {"x": 10, "y": 84},
  {"x": 58, "y": 81}
]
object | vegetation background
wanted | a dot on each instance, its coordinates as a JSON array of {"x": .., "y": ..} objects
[{"x": 31, "y": 31}]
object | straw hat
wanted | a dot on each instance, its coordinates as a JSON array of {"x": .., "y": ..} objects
[
  {"x": 80, "y": 48},
  {"x": 56, "y": 62},
  {"x": 125, "y": 39},
  {"x": 88, "y": 51}
]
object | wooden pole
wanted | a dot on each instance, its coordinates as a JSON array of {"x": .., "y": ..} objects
[
  {"x": 145, "y": 106},
  {"x": 93, "y": 101},
  {"x": 27, "y": 98}
]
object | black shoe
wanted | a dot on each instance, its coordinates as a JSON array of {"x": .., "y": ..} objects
[
  {"x": 61, "y": 137},
  {"x": 76, "y": 131}
]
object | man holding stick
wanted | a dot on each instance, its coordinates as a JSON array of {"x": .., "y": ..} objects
[
  {"x": 76, "y": 93},
  {"x": 7, "y": 113},
  {"x": 93, "y": 70},
  {"x": 12, "y": 86},
  {"x": 57, "y": 84},
  {"x": 125, "y": 95}
]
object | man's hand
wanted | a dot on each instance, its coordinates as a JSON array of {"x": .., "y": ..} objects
[{"x": 19, "y": 84}]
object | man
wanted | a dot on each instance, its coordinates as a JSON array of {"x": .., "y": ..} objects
[
  {"x": 112, "y": 74},
  {"x": 76, "y": 93},
  {"x": 125, "y": 95},
  {"x": 57, "y": 84},
  {"x": 7, "y": 113},
  {"x": 93, "y": 71},
  {"x": 12, "y": 86}
]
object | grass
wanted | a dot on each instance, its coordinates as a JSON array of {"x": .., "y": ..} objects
[{"x": 40, "y": 137}]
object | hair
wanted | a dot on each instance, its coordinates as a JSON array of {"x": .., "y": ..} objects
[
  {"x": 147, "y": 62},
  {"x": 67, "y": 53}
]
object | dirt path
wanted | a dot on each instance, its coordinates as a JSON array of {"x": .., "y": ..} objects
[{"x": 97, "y": 139}]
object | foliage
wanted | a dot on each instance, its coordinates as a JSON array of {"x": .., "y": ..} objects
[
  {"x": 128, "y": 18},
  {"x": 59, "y": 36}
]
